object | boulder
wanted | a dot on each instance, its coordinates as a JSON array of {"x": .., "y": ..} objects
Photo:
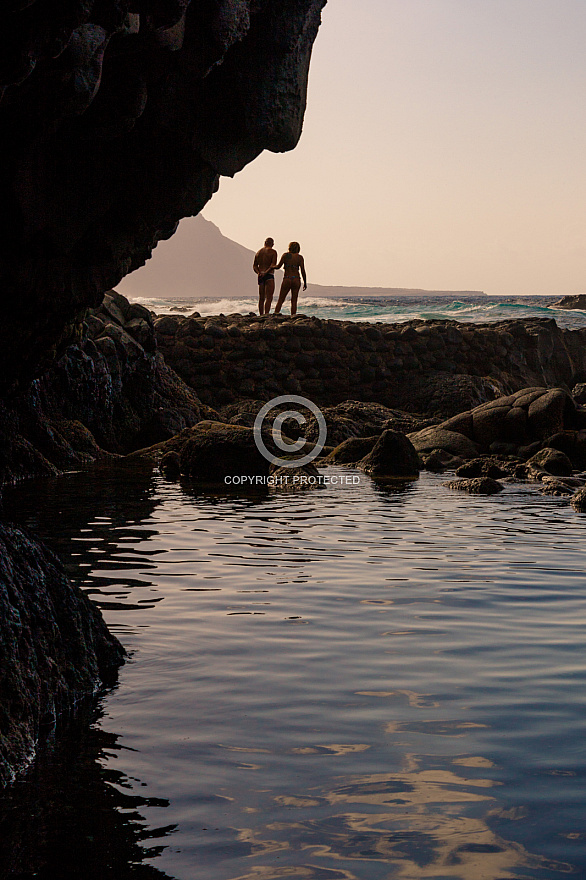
[
  {"x": 550, "y": 412},
  {"x": 555, "y": 488},
  {"x": 351, "y": 450},
  {"x": 573, "y": 444},
  {"x": 438, "y": 438},
  {"x": 488, "y": 424},
  {"x": 393, "y": 456},
  {"x": 552, "y": 461},
  {"x": 572, "y": 301},
  {"x": 215, "y": 453},
  {"x": 56, "y": 649},
  {"x": 170, "y": 465},
  {"x": 475, "y": 486},
  {"x": 438, "y": 460},
  {"x": 461, "y": 424},
  {"x": 578, "y": 501},
  {"x": 292, "y": 479},
  {"x": 486, "y": 466}
]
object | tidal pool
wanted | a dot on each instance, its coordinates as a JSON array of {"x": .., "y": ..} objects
[{"x": 347, "y": 682}]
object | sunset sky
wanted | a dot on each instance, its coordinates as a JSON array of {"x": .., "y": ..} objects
[{"x": 444, "y": 147}]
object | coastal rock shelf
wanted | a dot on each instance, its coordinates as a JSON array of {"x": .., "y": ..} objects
[{"x": 434, "y": 367}]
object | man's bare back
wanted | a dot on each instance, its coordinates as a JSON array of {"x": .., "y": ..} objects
[
  {"x": 264, "y": 264},
  {"x": 265, "y": 258}
]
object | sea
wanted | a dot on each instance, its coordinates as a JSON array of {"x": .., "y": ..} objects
[
  {"x": 477, "y": 309},
  {"x": 350, "y": 682}
]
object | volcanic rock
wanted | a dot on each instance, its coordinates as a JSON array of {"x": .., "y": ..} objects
[
  {"x": 475, "y": 486},
  {"x": 392, "y": 456},
  {"x": 56, "y": 649}
]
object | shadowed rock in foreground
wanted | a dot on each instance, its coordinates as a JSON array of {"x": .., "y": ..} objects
[{"x": 56, "y": 650}]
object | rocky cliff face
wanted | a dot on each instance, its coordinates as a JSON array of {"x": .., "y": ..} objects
[{"x": 117, "y": 118}]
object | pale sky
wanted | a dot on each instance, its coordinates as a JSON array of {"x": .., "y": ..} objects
[{"x": 444, "y": 147}]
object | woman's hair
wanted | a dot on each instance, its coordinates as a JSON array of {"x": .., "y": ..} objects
[{"x": 294, "y": 247}]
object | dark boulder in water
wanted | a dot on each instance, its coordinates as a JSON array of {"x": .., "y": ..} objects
[
  {"x": 555, "y": 488},
  {"x": 351, "y": 450},
  {"x": 552, "y": 461},
  {"x": 578, "y": 501},
  {"x": 393, "y": 456},
  {"x": 475, "y": 486},
  {"x": 216, "y": 453},
  {"x": 573, "y": 443},
  {"x": 56, "y": 649},
  {"x": 486, "y": 466}
]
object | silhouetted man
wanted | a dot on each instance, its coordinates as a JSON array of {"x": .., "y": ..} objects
[{"x": 264, "y": 265}]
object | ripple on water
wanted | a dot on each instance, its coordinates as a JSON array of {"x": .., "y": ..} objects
[{"x": 348, "y": 683}]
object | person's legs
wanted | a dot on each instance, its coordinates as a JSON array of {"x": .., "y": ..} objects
[
  {"x": 285, "y": 287},
  {"x": 269, "y": 286},
  {"x": 261, "y": 298},
  {"x": 295, "y": 285}
]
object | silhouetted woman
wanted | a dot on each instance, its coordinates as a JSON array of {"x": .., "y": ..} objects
[{"x": 293, "y": 263}]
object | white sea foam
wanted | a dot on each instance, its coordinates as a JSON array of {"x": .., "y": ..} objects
[{"x": 384, "y": 309}]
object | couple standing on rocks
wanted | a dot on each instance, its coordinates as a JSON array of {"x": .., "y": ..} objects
[{"x": 265, "y": 263}]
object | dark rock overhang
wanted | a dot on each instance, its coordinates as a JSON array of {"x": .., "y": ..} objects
[{"x": 117, "y": 118}]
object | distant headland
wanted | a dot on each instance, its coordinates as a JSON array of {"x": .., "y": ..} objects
[{"x": 199, "y": 262}]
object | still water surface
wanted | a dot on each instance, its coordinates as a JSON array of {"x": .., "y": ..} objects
[{"x": 344, "y": 683}]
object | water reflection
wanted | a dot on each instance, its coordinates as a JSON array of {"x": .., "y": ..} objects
[
  {"x": 74, "y": 817},
  {"x": 422, "y": 823}
]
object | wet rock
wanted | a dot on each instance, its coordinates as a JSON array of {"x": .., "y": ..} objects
[
  {"x": 578, "y": 501},
  {"x": 56, "y": 649},
  {"x": 555, "y": 487},
  {"x": 573, "y": 301},
  {"x": 352, "y": 450},
  {"x": 552, "y": 461},
  {"x": 485, "y": 467},
  {"x": 215, "y": 453},
  {"x": 392, "y": 456},
  {"x": 475, "y": 486},
  {"x": 293, "y": 479},
  {"x": 438, "y": 438},
  {"x": 170, "y": 465},
  {"x": 573, "y": 444},
  {"x": 438, "y": 460}
]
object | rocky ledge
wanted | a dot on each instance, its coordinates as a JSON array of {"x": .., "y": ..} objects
[{"x": 438, "y": 368}]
